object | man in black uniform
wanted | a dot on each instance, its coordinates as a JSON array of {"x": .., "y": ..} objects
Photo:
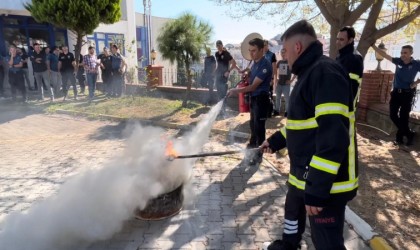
[
  {"x": 350, "y": 59},
  {"x": 225, "y": 64},
  {"x": 39, "y": 63},
  {"x": 106, "y": 69},
  {"x": 321, "y": 143},
  {"x": 271, "y": 57},
  {"x": 66, "y": 66},
  {"x": 16, "y": 81}
]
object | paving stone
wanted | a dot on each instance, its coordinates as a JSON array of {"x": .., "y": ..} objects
[{"x": 235, "y": 207}]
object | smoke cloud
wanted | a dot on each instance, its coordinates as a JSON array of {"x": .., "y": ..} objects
[{"x": 93, "y": 205}]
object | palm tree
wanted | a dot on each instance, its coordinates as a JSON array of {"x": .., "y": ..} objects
[{"x": 181, "y": 40}]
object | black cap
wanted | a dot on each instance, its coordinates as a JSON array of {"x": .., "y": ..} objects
[{"x": 219, "y": 43}]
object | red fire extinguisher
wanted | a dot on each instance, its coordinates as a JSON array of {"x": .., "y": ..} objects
[{"x": 243, "y": 97}]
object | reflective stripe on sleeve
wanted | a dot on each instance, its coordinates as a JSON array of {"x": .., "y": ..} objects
[
  {"x": 324, "y": 165},
  {"x": 301, "y": 124},
  {"x": 283, "y": 132},
  {"x": 331, "y": 109}
]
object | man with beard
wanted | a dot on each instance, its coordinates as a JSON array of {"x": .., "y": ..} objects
[{"x": 350, "y": 59}]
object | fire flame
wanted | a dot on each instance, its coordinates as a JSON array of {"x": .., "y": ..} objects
[{"x": 170, "y": 151}]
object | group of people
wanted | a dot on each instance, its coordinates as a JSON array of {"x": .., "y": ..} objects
[
  {"x": 55, "y": 69},
  {"x": 320, "y": 133}
]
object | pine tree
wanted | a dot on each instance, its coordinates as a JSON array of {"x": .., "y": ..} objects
[{"x": 182, "y": 40}]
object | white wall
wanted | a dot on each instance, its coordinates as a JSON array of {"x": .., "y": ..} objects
[{"x": 157, "y": 25}]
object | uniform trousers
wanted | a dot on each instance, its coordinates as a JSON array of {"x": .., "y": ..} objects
[
  {"x": 17, "y": 83},
  {"x": 399, "y": 110},
  {"x": 326, "y": 227},
  {"x": 260, "y": 106},
  {"x": 68, "y": 76}
]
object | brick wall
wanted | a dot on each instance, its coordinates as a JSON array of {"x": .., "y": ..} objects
[{"x": 376, "y": 86}]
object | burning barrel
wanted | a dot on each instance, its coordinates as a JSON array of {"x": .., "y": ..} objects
[{"x": 163, "y": 206}]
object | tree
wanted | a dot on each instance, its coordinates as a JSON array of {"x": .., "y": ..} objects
[
  {"x": 181, "y": 40},
  {"x": 79, "y": 16},
  {"x": 377, "y": 17}
]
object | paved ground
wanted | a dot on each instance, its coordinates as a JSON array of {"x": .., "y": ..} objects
[{"x": 235, "y": 207}]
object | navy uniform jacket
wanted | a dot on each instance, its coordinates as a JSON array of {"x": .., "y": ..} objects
[{"x": 320, "y": 131}]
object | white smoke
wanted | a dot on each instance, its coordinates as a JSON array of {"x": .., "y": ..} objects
[{"x": 93, "y": 205}]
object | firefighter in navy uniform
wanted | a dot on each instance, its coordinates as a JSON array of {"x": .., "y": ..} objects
[{"x": 321, "y": 143}]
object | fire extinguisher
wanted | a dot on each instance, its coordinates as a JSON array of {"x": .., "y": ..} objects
[{"x": 243, "y": 97}]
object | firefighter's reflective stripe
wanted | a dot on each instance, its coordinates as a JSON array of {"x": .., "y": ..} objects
[
  {"x": 290, "y": 226},
  {"x": 295, "y": 182},
  {"x": 331, "y": 109},
  {"x": 324, "y": 165},
  {"x": 301, "y": 124},
  {"x": 352, "y": 147},
  {"x": 283, "y": 132},
  {"x": 355, "y": 77},
  {"x": 345, "y": 186},
  {"x": 358, "y": 79},
  {"x": 338, "y": 187}
]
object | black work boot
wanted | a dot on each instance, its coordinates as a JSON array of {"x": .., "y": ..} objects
[
  {"x": 410, "y": 138},
  {"x": 398, "y": 139}
]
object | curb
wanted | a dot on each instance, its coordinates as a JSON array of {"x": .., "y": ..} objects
[
  {"x": 361, "y": 227},
  {"x": 365, "y": 231}
]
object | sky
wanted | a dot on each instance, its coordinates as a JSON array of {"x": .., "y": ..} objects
[{"x": 225, "y": 28}]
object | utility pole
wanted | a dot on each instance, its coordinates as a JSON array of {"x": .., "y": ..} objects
[{"x": 147, "y": 5}]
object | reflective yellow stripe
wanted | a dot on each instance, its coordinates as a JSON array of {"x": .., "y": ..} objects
[
  {"x": 324, "y": 165},
  {"x": 301, "y": 124},
  {"x": 338, "y": 187},
  {"x": 331, "y": 108},
  {"x": 356, "y": 77},
  {"x": 352, "y": 147},
  {"x": 283, "y": 132},
  {"x": 295, "y": 182},
  {"x": 345, "y": 186}
]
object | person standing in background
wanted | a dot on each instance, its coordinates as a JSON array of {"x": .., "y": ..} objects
[
  {"x": 39, "y": 62},
  {"x": 52, "y": 65},
  {"x": 403, "y": 91},
  {"x": 15, "y": 73},
  {"x": 91, "y": 65},
  {"x": 225, "y": 64},
  {"x": 282, "y": 85},
  {"x": 271, "y": 57},
  {"x": 106, "y": 69},
  {"x": 350, "y": 59},
  {"x": 66, "y": 67},
  {"x": 208, "y": 75}
]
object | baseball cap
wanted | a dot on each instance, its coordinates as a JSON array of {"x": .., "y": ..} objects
[{"x": 219, "y": 42}]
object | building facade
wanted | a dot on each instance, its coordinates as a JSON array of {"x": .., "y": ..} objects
[{"x": 129, "y": 33}]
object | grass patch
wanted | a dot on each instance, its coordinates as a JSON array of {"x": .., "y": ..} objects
[{"x": 137, "y": 107}]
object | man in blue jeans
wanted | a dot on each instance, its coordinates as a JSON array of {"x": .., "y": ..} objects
[
  {"x": 91, "y": 67},
  {"x": 282, "y": 85},
  {"x": 404, "y": 89}
]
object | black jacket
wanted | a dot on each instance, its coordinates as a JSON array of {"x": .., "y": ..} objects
[
  {"x": 320, "y": 131},
  {"x": 352, "y": 62}
]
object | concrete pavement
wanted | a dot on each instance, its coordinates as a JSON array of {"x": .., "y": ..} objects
[{"x": 234, "y": 207}]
